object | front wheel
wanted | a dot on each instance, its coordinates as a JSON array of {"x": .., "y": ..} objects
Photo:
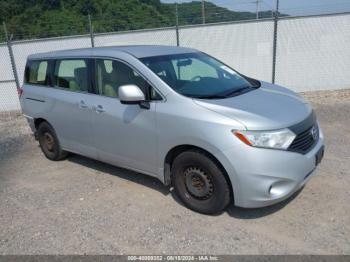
[
  {"x": 200, "y": 183},
  {"x": 49, "y": 143}
]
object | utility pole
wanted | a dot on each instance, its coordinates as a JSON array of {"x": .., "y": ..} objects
[
  {"x": 257, "y": 2},
  {"x": 277, "y": 7},
  {"x": 203, "y": 12}
]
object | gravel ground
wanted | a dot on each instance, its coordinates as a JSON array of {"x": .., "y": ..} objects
[{"x": 82, "y": 206}]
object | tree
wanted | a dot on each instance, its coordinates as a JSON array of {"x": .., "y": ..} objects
[{"x": 47, "y": 18}]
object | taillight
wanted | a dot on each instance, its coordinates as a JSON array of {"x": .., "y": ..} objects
[{"x": 20, "y": 92}]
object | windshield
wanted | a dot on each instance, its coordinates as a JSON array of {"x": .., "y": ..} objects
[{"x": 198, "y": 75}]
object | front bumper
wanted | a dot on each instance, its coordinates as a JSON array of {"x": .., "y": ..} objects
[{"x": 262, "y": 177}]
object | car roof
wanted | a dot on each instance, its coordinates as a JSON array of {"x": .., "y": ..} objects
[{"x": 138, "y": 51}]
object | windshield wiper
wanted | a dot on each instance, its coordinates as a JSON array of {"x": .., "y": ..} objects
[
  {"x": 222, "y": 95},
  {"x": 237, "y": 91},
  {"x": 209, "y": 96}
]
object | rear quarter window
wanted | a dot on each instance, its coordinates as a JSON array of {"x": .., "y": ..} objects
[{"x": 36, "y": 72}]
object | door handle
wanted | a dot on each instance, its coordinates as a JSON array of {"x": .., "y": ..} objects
[
  {"x": 82, "y": 104},
  {"x": 99, "y": 109}
]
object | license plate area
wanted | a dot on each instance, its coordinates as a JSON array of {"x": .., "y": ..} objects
[{"x": 319, "y": 155}]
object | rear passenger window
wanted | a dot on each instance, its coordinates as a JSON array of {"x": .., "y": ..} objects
[
  {"x": 36, "y": 73},
  {"x": 72, "y": 74}
]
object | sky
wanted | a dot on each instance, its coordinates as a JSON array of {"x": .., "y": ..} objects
[{"x": 291, "y": 7}]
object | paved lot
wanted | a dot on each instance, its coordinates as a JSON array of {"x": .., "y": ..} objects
[{"x": 82, "y": 206}]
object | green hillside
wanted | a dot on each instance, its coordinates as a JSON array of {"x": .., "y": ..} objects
[{"x": 48, "y": 18}]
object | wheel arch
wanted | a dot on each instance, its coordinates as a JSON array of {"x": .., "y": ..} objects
[
  {"x": 177, "y": 150},
  {"x": 38, "y": 121}
]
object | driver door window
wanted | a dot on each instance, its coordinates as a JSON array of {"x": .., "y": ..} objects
[{"x": 111, "y": 74}]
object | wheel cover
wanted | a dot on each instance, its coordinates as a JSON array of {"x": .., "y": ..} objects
[
  {"x": 49, "y": 141},
  {"x": 198, "y": 184}
]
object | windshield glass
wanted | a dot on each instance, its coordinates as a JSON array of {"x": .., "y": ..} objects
[{"x": 198, "y": 75}]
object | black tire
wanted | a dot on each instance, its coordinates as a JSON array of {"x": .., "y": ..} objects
[
  {"x": 200, "y": 182},
  {"x": 49, "y": 143}
]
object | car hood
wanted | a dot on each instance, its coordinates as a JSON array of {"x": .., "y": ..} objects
[{"x": 266, "y": 108}]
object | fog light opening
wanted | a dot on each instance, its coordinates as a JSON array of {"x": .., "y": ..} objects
[
  {"x": 276, "y": 190},
  {"x": 270, "y": 189}
]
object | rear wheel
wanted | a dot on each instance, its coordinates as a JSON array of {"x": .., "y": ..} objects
[
  {"x": 49, "y": 143},
  {"x": 200, "y": 183}
]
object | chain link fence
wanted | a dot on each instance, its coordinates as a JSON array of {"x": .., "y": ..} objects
[
  {"x": 313, "y": 53},
  {"x": 162, "y": 36},
  {"x": 246, "y": 46},
  {"x": 303, "y": 53},
  {"x": 8, "y": 94}
]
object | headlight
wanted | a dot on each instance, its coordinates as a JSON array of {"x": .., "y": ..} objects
[{"x": 279, "y": 139}]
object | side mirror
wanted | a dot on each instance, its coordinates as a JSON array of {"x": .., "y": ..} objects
[{"x": 132, "y": 94}]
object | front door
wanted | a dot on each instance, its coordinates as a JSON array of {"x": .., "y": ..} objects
[{"x": 125, "y": 135}]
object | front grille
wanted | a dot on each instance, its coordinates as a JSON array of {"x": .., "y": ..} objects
[{"x": 305, "y": 140}]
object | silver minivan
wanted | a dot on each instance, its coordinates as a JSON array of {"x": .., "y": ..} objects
[{"x": 176, "y": 114}]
